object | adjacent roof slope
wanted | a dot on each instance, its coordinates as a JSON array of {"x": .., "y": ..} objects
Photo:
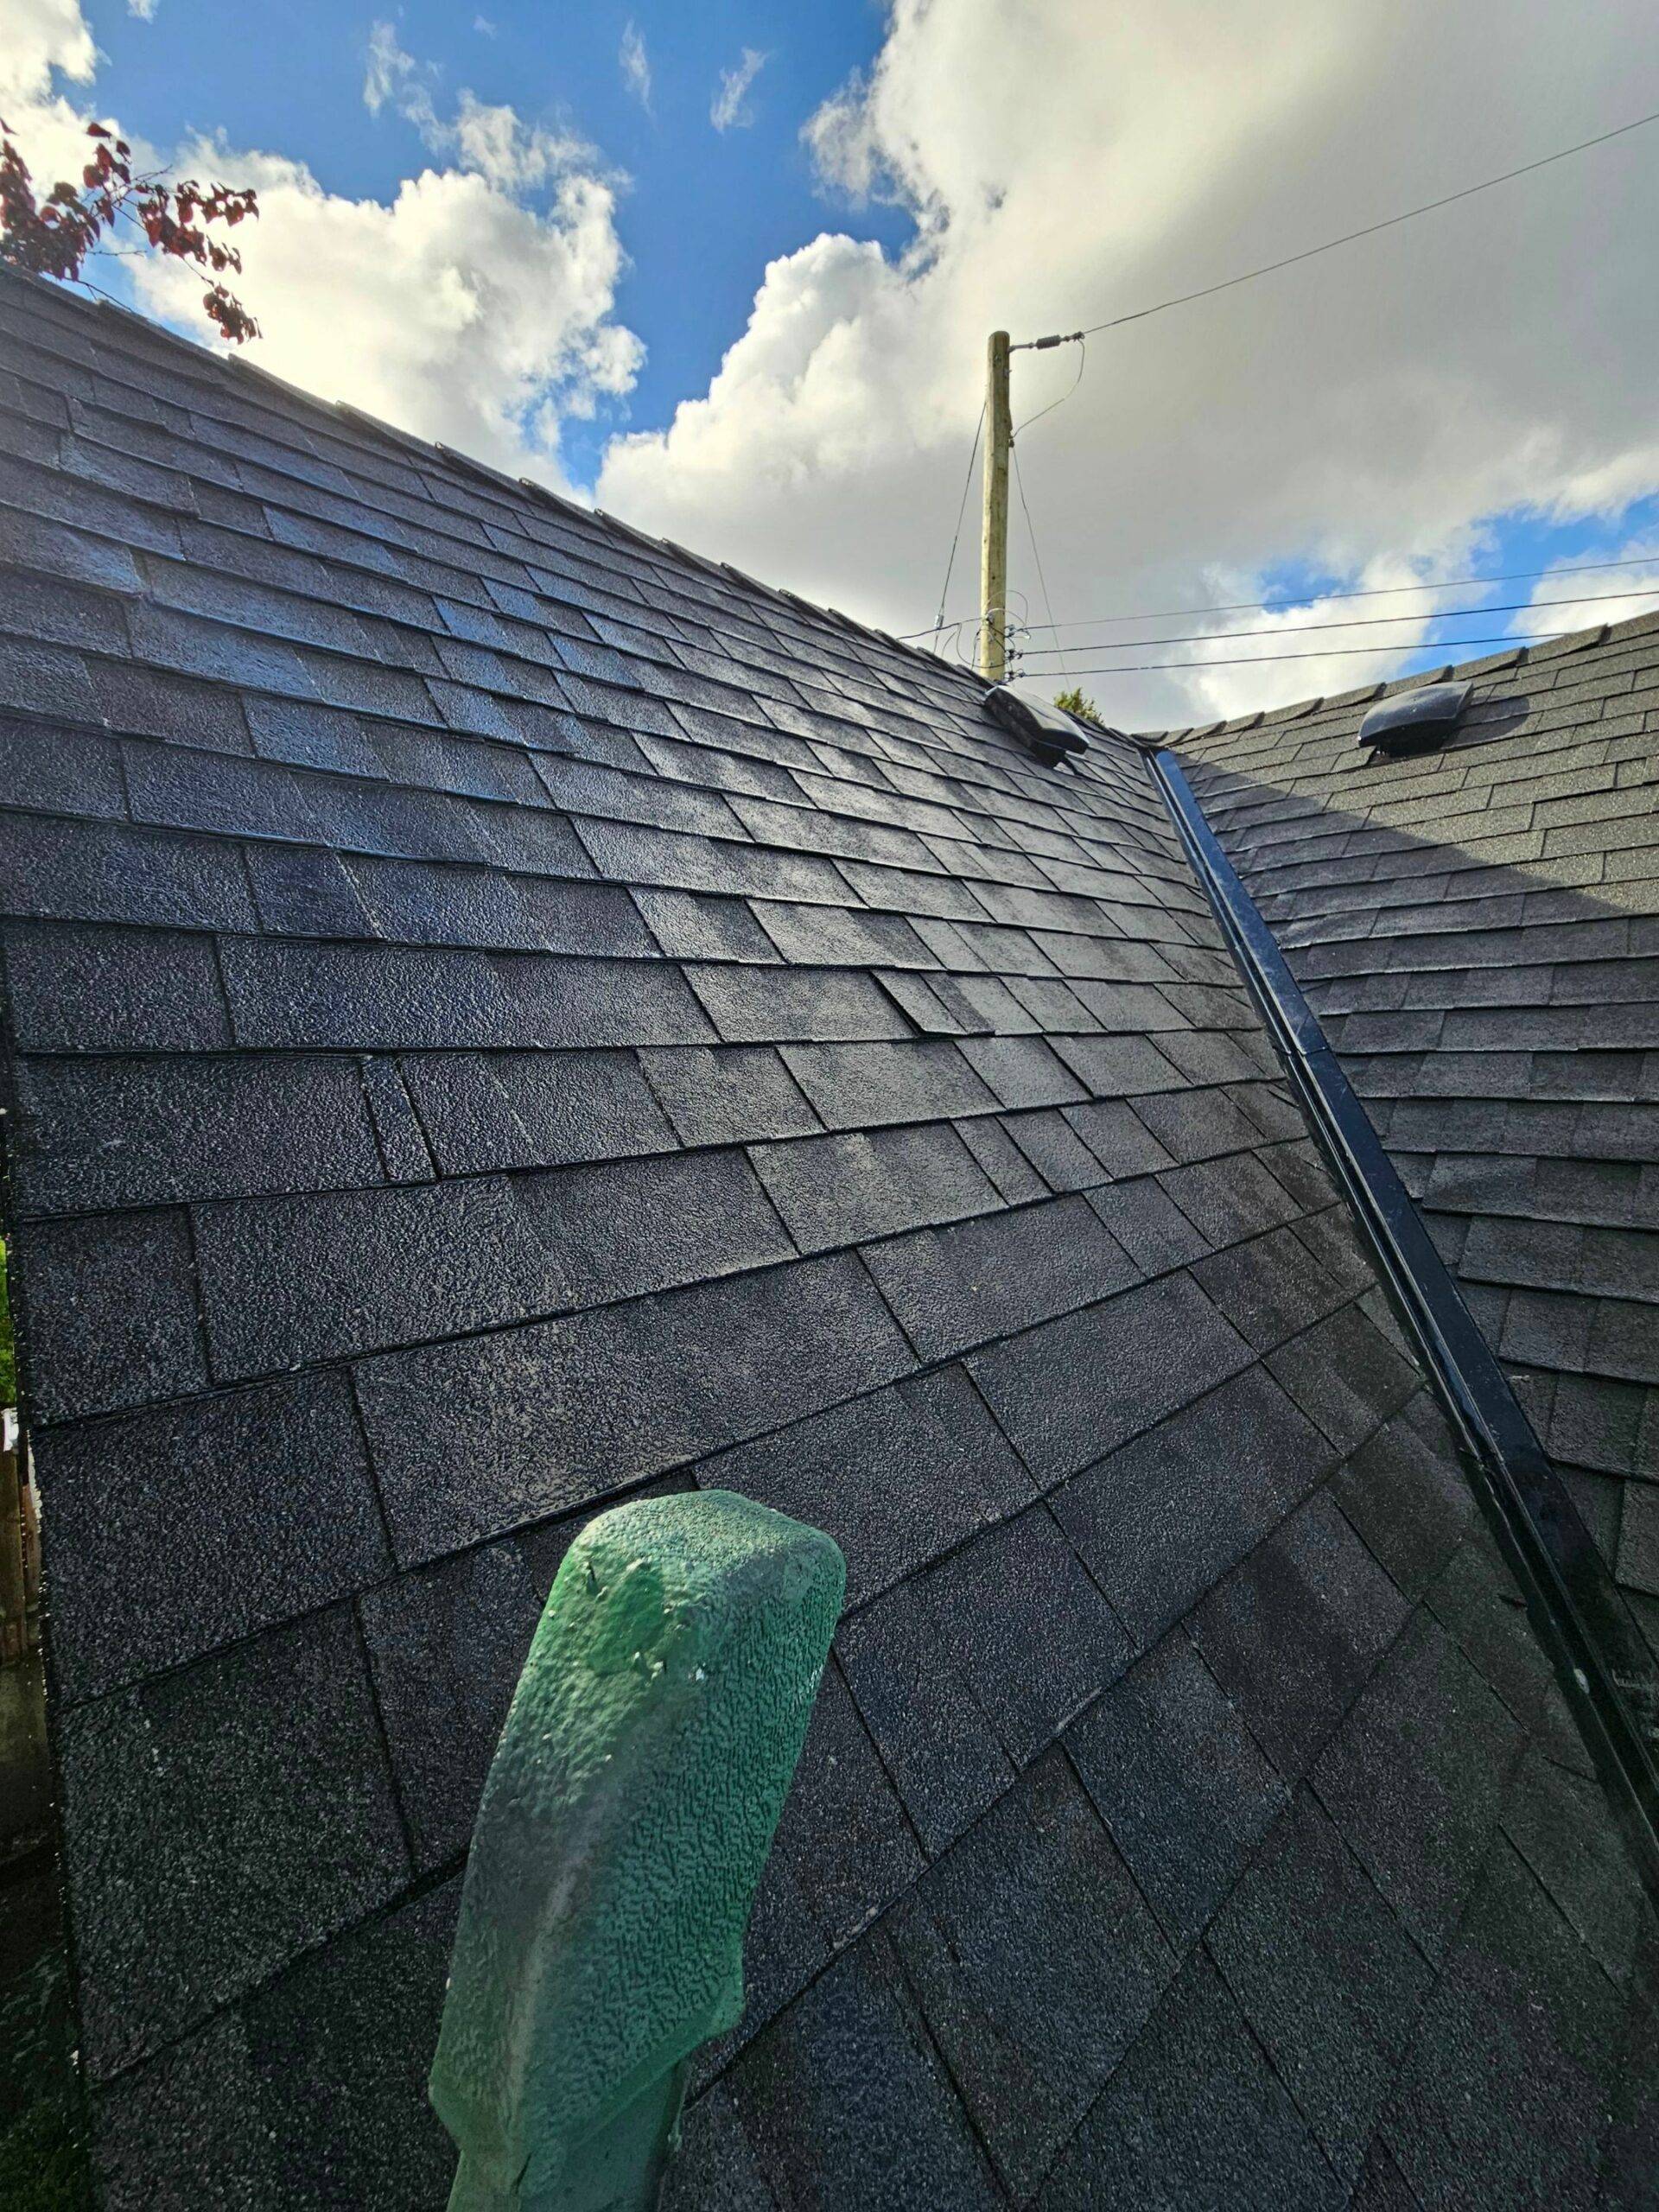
[
  {"x": 1478, "y": 929},
  {"x": 501, "y": 1014}
]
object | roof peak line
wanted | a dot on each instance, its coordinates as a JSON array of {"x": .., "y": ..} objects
[
  {"x": 518, "y": 486},
  {"x": 1520, "y": 655}
]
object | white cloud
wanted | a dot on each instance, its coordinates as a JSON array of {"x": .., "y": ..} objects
[
  {"x": 731, "y": 109},
  {"x": 36, "y": 37},
  {"x": 491, "y": 141},
  {"x": 635, "y": 64},
  {"x": 1361, "y": 414},
  {"x": 43, "y": 45},
  {"x": 144, "y": 9},
  {"x": 1063, "y": 163},
  {"x": 1397, "y": 611},
  {"x": 473, "y": 307},
  {"x": 1555, "y": 609},
  {"x": 455, "y": 312},
  {"x": 394, "y": 79},
  {"x": 483, "y": 26}
]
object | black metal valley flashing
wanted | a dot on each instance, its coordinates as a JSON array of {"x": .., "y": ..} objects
[{"x": 1605, "y": 1668}]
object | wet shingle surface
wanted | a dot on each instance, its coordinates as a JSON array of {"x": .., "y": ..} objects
[
  {"x": 502, "y": 1016},
  {"x": 1478, "y": 930}
]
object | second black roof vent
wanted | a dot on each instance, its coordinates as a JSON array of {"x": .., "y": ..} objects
[{"x": 1413, "y": 722}]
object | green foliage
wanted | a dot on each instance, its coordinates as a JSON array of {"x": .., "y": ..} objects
[
  {"x": 8, "y": 1356},
  {"x": 1073, "y": 703},
  {"x": 44, "y": 2166},
  {"x": 43, "y": 2163}
]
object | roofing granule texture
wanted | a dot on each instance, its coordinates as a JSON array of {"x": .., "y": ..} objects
[
  {"x": 1478, "y": 929},
  {"x": 503, "y": 1015}
]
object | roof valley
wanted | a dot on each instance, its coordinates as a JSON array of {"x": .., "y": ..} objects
[{"x": 502, "y": 1016}]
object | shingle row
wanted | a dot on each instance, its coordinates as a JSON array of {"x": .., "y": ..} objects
[
  {"x": 1477, "y": 929},
  {"x": 581, "y": 1023}
]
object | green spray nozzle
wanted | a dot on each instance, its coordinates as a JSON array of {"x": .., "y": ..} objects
[{"x": 644, "y": 1761}]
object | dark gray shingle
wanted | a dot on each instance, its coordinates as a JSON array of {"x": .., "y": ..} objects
[{"x": 370, "y": 1041}]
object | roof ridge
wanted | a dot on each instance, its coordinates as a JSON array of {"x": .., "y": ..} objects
[
  {"x": 1520, "y": 655},
  {"x": 440, "y": 455}
]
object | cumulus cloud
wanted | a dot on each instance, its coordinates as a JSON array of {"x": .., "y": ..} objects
[
  {"x": 42, "y": 36},
  {"x": 1374, "y": 406},
  {"x": 1611, "y": 595},
  {"x": 1387, "y": 611},
  {"x": 474, "y": 305},
  {"x": 635, "y": 64},
  {"x": 43, "y": 45},
  {"x": 144, "y": 9},
  {"x": 455, "y": 311},
  {"x": 1357, "y": 420},
  {"x": 731, "y": 109}
]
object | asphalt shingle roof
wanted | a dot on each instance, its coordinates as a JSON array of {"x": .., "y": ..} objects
[
  {"x": 1478, "y": 929},
  {"x": 501, "y": 1015}
]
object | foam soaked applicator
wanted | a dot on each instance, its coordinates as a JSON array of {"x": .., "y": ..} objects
[{"x": 627, "y": 1817}]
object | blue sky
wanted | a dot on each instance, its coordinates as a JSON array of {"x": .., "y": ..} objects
[
  {"x": 1468, "y": 395},
  {"x": 1519, "y": 542},
  {"x": 703, "y": 213}
]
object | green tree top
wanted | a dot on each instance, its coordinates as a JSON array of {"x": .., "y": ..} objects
[{"x": 1073, "y": 703}]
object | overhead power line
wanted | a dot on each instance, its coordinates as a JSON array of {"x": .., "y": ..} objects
[
  {"x": 1031, "y": 532},
  {"x": 1320, "y": 652},
  {"x": 1349, "y": 237},
  {"x": 956, "y": 535},
  {"x": 1001, "y": 348},
  {"x": 1306, "y": 598},
  {"x": 1354, "y": 622},
  {"x": 1083, "y": 360}
]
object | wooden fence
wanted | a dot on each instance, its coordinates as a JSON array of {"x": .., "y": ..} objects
[{"x": 20, "y": 1556}]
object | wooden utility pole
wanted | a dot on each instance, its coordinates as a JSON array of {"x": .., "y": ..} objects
[{"x": 994, "y": 540}]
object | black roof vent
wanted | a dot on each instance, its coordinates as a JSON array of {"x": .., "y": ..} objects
[
  {"x": 1046, "y": 734},
  {"x": 1415, "y": 721}
]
